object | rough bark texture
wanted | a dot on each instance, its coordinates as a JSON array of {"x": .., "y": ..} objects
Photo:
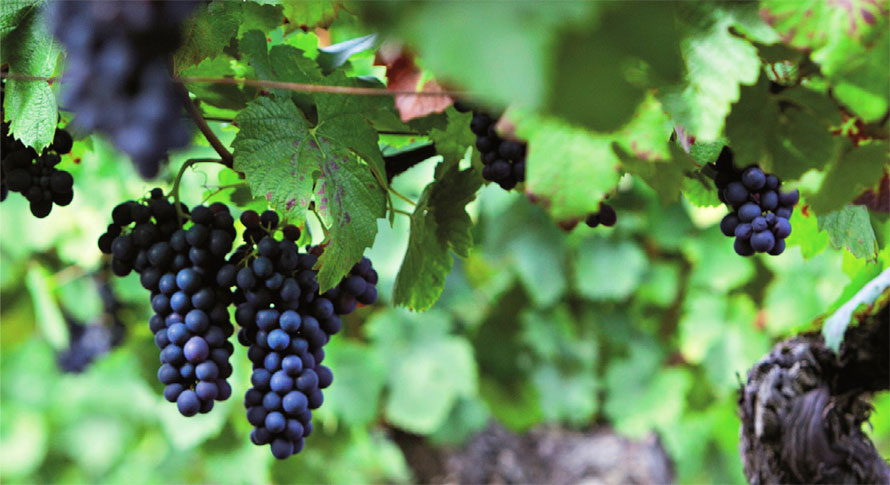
[
  {"x": 803, "y": 407},
  {"x": 545, "y": 455}
]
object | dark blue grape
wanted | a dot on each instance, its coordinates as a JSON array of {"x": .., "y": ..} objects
[
  {"x": 188, "y": 403},
  {"x": 778, "y": 248},
  {"x": 196, "y": 349},
  {"x": 769, "y": 200},
  {"x": 763, "y": 241},
  {"x": 292, "y": 365},
  {"x": 727, "y": 225},
  {"x": 735, "y": 193},
  {"x": 782, "y": 229},
  {"x": 759, "y": 224},
  {"x": 743, "y": 247},
  {"x": 294, "y": 402},
  {"x": 789, "y": 199},
  {"x": 753, "y": 178},
  {"x": 749, "y": 211}
]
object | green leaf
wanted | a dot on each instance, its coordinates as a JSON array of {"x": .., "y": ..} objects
[
  {"x": 349, "y": 197},
  {"x": 260, "y": 17},
  {"x": 640, "y": 395},
  {"x": 851, "y": 45},
  {"x": 334, "y": 56},
  {"x": 783, "y": 138},
  {"x": 836, "y": 325},
  {"x": 717, "y": 62},
  {"x": 11, "y": 14},
  {"x": 439, "y": 225},
  {"x": 587, "y": 168},
  {"x": 850, "y": 227},
  {"x": 588, "y": 60},
  {"x": 806, "y": 234},
  {"x": 30, "y": 106},
  {"x": 275, "y": 151},
  {"x": 428, "y": 369},
  {"x": 425, "y": 385},
  {"x": 309, "y": 14},
  {"x": 345, "y": 119},
  {"x": 207, "y": 32},
  {"x": 224, "y": 96},
  {"x": 360, "y": 379},
  {"x": 516, "y": 37},
  {"x": 281, "y": 63},
  {"x": 452, "y": 141},
  {"x": 855, "y": 171},
  {"x": 46, "y": 311},
  {"x": 666, "y": 177},
  {"x": 608, "y": 270}
]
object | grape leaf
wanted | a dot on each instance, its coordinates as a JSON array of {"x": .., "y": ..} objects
[
  {"x": 360, "y": 379},
  {"x": 259, "y": 17},
  {"x": 569, "y": 170},
  {"x": 281, "y": 63},
  {"x": 274, "y": 150},
  {"x": 310, "y": 14},
  {"x": 608, "y": 270},
  {"x": 500, "y": 50},
  {"x": 717, "y": 63},
  {"x": 207, "y": 32},
  {"x": 850, "y": 227},
  {"x": 588, "y": 60},
  {"x": 224, "y": 96},
  {"x": 784, "y": 138},
  {"x": 428, "y": 369},
  {"x": 439, "y": 225},
  {"x": 31, "y": 106},
  {"x": 666, "y": 179},
  {"x": 344, "y": 118},
  {"x": 858, "y": 169},
  {"x": 351, "y": 200},
  {"x": 850, "y": 44},
  {"x": 647, "y": 133},
  {"x": 11, "y": 14},
  {"x": 452, "y": 141}
]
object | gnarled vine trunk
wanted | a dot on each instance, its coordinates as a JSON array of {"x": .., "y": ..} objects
[{"x": 803, "y": 407}]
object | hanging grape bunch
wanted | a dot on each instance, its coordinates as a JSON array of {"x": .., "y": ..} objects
[
  {"x": 760, "y": 210},
  {"x": 504, "y": 160},
  {"x": 178, "y": 265},
  {"x": 117, "y": 79},
  {"x": 285, "y": 325},
  {"x": 36, "y": 176}
]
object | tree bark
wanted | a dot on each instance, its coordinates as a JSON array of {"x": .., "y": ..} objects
[{"x": 803, "y": 407}]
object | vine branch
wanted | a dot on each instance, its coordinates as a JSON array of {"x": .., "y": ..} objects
[
  {"x": 289, "y": 86},
  {"x": 402, "y": 161},
  {"x": 199, "y": 120}
]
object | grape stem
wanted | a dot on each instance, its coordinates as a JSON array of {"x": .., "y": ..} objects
[
  {"x": 199, "y": 120},
  {"x": 174, "y": 191}
]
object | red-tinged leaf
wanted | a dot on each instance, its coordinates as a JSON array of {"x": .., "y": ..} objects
[{"x": 402, "y": 74}]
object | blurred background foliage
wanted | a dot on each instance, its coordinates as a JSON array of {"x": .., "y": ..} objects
[{"x": 647, "y": 327}]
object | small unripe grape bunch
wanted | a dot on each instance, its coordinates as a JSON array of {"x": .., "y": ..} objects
[
  {"x": 503, "y": 160},
  {"x": 606, "y": 216},
  {"x": 759, "y": 209}
]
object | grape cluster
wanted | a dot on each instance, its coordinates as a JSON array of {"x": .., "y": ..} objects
[
  {"x": 760, "y": 210},
  {"x": 179, "y": 265},
  {"x": 35, "y": 176},
  {"x": 87, "y": 341},
  {"x": 285, "y": 325},
  {"x": 503, "y": 160},
  {"x": 606, "y": 216},
  {"x": 116, "y": 78}
]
